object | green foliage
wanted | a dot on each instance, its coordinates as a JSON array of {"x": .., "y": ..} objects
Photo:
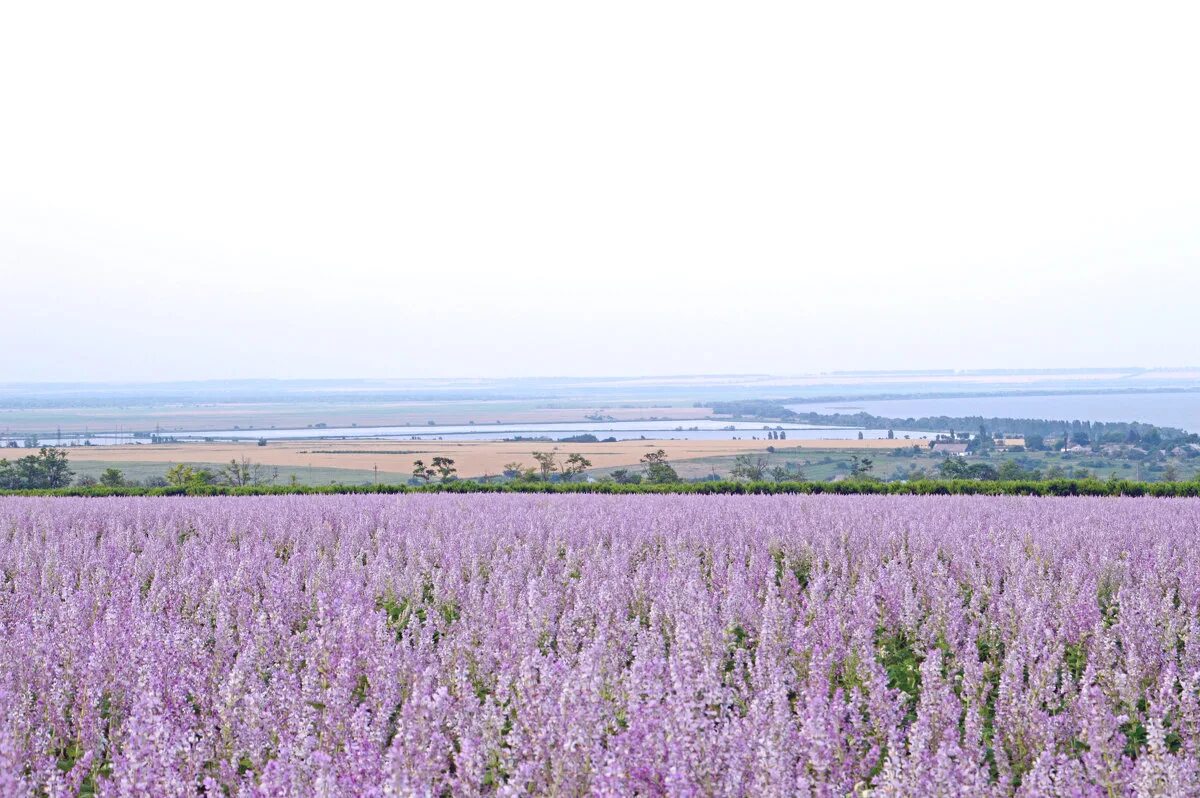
[
  {"x": 860, "y": 466},
  {"x": 517, "y": 470},
  {"x": 184, "y": 476},
  {"x": 47, "y": 469},
  {"x": 1075, "y": 659},
  {"x": 1096, "y": 431},
  {"x": 957, "y": 468},
  {"x": 801, "y": 568},
  {"x": 918, "y": 487},
  {"x": 749, "y": 467},
  {"x": 546, "y": 462},
  {"x": 444, "y": 467},
  {"x": 898, "y": 656},
  {"x": 422, "y": 472},
  {"x": 574, "y": 466},
  {"x": 1011, "y": 470},
  {"x": 585, "y": 438},
  {"x": 658, "y": 470},
  {"x": 626, "y": 477},
  {"x": 399, "y": 611}
]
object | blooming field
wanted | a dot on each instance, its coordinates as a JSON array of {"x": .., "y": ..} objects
[{"x": 568, "y": 645}]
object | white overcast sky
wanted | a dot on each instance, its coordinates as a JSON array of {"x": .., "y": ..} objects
[{"x": 211, "y": 190}]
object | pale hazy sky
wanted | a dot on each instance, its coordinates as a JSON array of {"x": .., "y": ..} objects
[{"x": 506, "y": 188}]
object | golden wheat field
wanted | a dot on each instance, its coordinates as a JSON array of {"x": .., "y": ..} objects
[{"x": 472, "y": 458}]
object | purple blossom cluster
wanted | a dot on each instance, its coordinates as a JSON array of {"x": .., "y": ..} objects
[{"x": 449, "y": 645}]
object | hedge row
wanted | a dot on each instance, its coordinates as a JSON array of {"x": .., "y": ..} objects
[{"x": 1049, "y": 487}]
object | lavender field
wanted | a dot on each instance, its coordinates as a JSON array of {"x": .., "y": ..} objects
[{"x": 589, "y": 645}]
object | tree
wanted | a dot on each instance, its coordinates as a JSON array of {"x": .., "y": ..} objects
[
  {"x": 658, "y": 470},
  {"x": 46, "y": 469},
  {"x": 781, "y": 474},
  {"x": 860, "y": 466},
  {"x": 748, "y": 467},
  {"x": 860, "y": 435},
  {"x": 1011, "y": 470},
  {"x": 575, "y": 465},
  {"x": 782, "y": 435},
  {"x": 979, "y": 444},
  {"x": 546, "y": 463},
  {"x": 516, "y": 470},
  {"x": 182, "y": 476},
  {"x": 421, "y": 472},
  {"x": 112, "y": 478},
  {"x": 1034, "y": 442},
  {"x": 238, "y": 472},
  {"x": 29, "y": 472},
  {"x": 891, "y": 435},
  {"x": 1170, "y": 473},
  {"x": 243, "y": 472},
  {"x": 954, "y": 468},
  {"x": 626, "y": 477},
  {"x": 983, "y": 471},
  {"x": 445, "y": 469},
  {"x": 54, "y": 468}
]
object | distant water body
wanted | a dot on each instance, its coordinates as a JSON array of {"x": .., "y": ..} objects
[
  {"x": 1180, "y": 410},
  {"x": 694, "y": 429}
]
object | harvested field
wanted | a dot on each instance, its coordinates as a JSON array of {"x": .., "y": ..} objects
[{"x": 473, "y": 458}]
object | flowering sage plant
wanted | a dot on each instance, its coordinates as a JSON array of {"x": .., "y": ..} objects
[{"x": 450, "y": 645}]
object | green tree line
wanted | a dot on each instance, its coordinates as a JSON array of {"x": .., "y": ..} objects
[
  {"x": 924, "y": 487},
  {"x": 46, "y": 469},
  {"x": 1077, "y": 431}
]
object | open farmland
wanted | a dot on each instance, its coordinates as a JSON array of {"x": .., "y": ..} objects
[
  {"x": 566, "y": 645},
  {"x": 472, "y": 458}
]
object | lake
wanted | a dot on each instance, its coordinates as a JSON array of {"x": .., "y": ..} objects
[{"x": 694, "y": 429}]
